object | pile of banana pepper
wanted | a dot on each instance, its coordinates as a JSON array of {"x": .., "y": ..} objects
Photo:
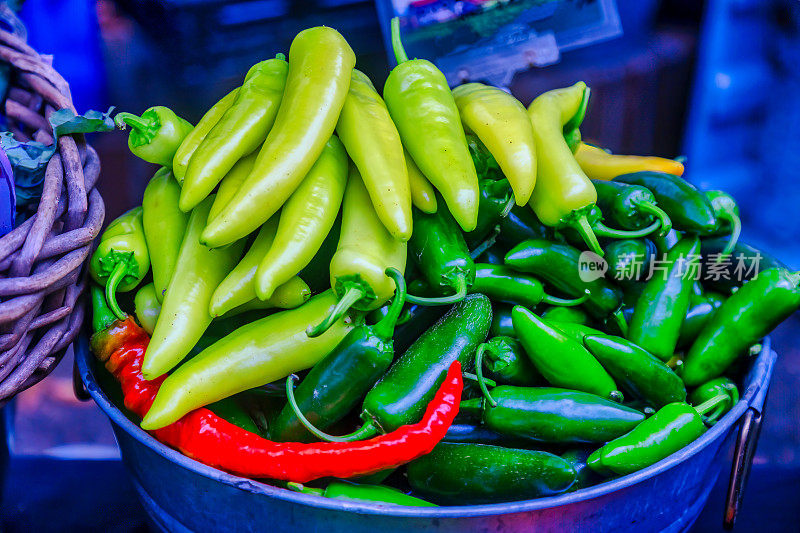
[{"x": 385, "y": 296}]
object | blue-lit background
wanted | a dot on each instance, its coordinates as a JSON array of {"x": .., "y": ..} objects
[{"x": 716, "y": 81}]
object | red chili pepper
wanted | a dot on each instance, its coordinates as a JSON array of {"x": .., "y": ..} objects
[{"x": 209, "y": 439}]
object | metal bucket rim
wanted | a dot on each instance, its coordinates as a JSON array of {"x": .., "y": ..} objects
[{"x": 757, "y": 379}]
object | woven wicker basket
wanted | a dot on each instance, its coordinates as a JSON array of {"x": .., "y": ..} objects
[{"x": 42, "y": 274}]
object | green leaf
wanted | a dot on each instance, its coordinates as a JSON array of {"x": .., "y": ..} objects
[{"x": 65, "y": 122}]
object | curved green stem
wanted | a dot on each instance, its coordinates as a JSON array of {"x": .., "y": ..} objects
[
  {"x": 587, "y": 233},
  {"x": 736, "y": 230},
  {"x": 486, "y": 244},
  {"x": 564, "y": 302},
  {"x": 385, "y": 327},
  {"x": 113, "y": 281},
  {"x": 479, "y": 371},
  {"x": 619, "y": 319},
  {"x": 460, "y": 294},
  {"x": 604, "y": 231},
  {"x": 660, "y": 214},
  {"x": 134, "y": 121},
  {"x": 364, "y": 432},
  {"x": 348, "y": 299},
  {"x": 472, "y": 377},
  {"x": 509, "y": 205},
  {"x": 397, "y": 44},
  {"x": 709, "y": 404},
  {"x": 299, "y": 487}
]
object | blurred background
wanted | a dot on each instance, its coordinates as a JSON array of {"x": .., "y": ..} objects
[{"x": 715, "y": 81}]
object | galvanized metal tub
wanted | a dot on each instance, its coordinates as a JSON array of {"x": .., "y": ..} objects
[{"x": 181, "y": 494}]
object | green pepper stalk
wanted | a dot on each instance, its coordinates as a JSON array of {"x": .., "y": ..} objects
[
  {"x": 505, "y": 360},
  {"x": 710, "y": 390},
  {"x": 121, "y": 260},
  {"x": 155, "y": 135},
  {"x": 726, "y": 210}
]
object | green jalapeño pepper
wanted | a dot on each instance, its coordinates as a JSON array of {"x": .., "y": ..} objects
[
  {"x": 544, "y": 414},
  {"x": 636, "y": 370},
  {"x": 563, "y": 196},
  {"x": 346, "y": 490},
  {"x": 305, "y": 220},
  {"x": 750, "y": 313},
  {"x": 337, "y": 383},
  {"x": 670, "y": 429},
  {"x": 573, "y": 368},
  {"x": 501, "y": 321},
  {"x": 320, "y": 66},
  {"x": 501, "y": 123},
  {"x": 570, "y": 315},
  {"x": 441, "y": 254},
  {"x": 425, "y": 113},
  {"x": 147, "y": 307},
  {"x": 365, "y": 250},
  {"x": 573, "y": 330},
  {"x": 184, "y": 312},
  {"x": 712, "y": 389},
  {"x": 255, "y": 354},
  {"x": 373, "y": 143},
  {"x": 121, "y": 260},
  {"x": 521, "y": 224},
  {"x": 164, "y": 226},
  {"x": 506, "y": 362},
  {"x": 155, "y": 135},
  {"x": 195, "y": 137},
  {"x": 688, "y": 208},
  {"x": 496, "y": 201},
  {"x": 701, "y": 309},
  {"x": 586, "y": 477},
  {"x": 628, "y": 260},
  {"x": 466, "y": 473},
  {"x": 502, "y": 284},
  {"x": 661, "y": 308},
  {"x": 240, "y": 131},
  {"x": 728, "y": 221},
  {"x": 631, "y": 207}
]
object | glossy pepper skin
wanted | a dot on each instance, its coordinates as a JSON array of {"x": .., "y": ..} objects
[
  {"x": 601, "y": 165},
  {"x": 184, "y": 311},
  {"x": 506, "y": 362},
  {"x": 711, "y": 389},
  {"x": 147, "y": 307},
  {"x": 628, "y": 259},
  {"x": 409, "y": 384},
  {"x": 575, "y": 331},
  {"x": 521, "y": 224},
  {"x": 574, "y": 368},
  {"x": 240, "y": 131},
  {"x": 255, "y": 354},
  {"x": 545, "y": 414},
  {"x": 688, "y": 208},
  {"x": 441, "y": 254},
  {"x": 155, "y": 135},
  {"x": 572, "y": 315},
  {"x": 466, "y": 473},
  {"x": 503, "y": 284},
  {"x": 364, "y": 252},
  {"x": 631, "y": 207},
  {"x": 345, "y": 490},
  {"x": 661, "y": 308},
  {"x": 636, "y": 370},
  {"x": 423, "y": 195},
  {"x": 208, "y": 438},
  {"x": 121, "y": 260},
  {"x": 335, "y": 385},
  {"x": 195, "y": 137},
  {"x": 750, "y": 313},
  {"x": 425, "y": 113},
  {"x": 231, "y": 183},
  {"x": 670, "y": 429},
  {"x": 236, "y": 292},
  {"x": 164, "y": 226},
  {"x": 501, "y": 321},
  {"x": 501, "y": 123},
  {"x": 728, "y": 221},
  {"x": 495, "y": 203},
  {"x": 701, "y": 309},
  {"x": 305, "y": 220},
  {"x": 563, "y": 196},
  {"x": 729, "y": 279},
  {"x": 559, "y": 266},
  {"x": 320, "y": 65},
  {"x": 373, "y": 143}
]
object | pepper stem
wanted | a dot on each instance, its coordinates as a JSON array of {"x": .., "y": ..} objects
[
  {"x": 460, "y": 294},
  {"x": 486, "y": 244},
  {"x": 385, "y": 327},
  {"x": 564, "y": 302},
  {"x": 281, "y": 56},
  {"x": 604, "y": 231},
  {"x": 364, "y": 432},
  {"x": 348, "y": 299},
  {"x": 709, "y": 404},
  {"x": 587, "y": 233},
  {"x": 479, "y": 371},
  {"x": 299, "y": 487},
  {"x": 397, "y": 44},
  {"x": 660, "y": 214},
  {"x": 619, "y": 319},
  {"x": 113, "y": 281},
  {"x": 736, "y": 230},
  {"x": 509, "y": 205},
  {"x": 134, "y": 121},
  {"x": 473, "y": 377}
]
